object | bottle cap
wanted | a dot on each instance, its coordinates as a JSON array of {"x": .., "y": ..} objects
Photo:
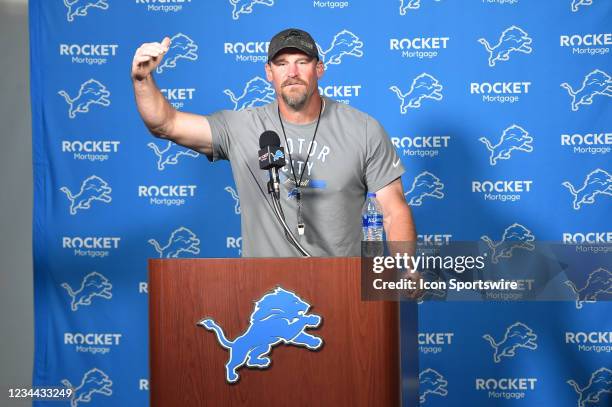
[{"x": 371, "y": 195}]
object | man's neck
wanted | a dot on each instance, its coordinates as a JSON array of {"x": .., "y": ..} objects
[{"x": 307, "y": 114}]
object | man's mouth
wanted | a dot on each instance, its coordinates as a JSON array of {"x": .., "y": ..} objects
[{"x": 293, "y": 83}]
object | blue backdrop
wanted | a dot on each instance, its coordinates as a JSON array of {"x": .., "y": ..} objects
[{"x": 471, "y": 92}]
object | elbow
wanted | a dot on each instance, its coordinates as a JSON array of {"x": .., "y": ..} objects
[
  {"x": 157, "y": 132},
  {"x": 163, "y": 130}
]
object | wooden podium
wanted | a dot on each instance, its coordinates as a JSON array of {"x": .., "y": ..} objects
[{"x": 357, "y": 365}]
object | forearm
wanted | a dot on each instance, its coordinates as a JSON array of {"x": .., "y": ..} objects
[
  {"x": 399, "y": 225},
  {"x": 153, "y": 107},
  {"x": 400, "y": 231},
  {"x": 401, "y": 240}
]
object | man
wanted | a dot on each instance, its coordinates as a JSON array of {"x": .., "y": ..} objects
[{"x": 336, "y": 154}]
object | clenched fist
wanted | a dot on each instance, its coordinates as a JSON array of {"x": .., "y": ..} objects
[{"x": 147, "y": 57}]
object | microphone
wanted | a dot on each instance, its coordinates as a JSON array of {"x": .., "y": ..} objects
[{"x": 271, "y": 158}]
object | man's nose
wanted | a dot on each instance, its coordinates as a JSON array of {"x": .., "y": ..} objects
[{"x": 292, "y": 70}]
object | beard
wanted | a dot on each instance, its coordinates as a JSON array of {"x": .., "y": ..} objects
[{"x": 295, "y": 99}]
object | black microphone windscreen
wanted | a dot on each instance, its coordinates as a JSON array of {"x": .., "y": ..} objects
[{"x": 269, "y": 138}]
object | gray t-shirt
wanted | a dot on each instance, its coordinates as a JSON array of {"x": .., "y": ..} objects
[{"x": 351, "y": 155}]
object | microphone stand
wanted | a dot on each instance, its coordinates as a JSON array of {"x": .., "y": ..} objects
[{"x": 274, "y": 191}]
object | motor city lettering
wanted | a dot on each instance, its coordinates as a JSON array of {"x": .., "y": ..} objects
[{"x": 318, "y": 152}]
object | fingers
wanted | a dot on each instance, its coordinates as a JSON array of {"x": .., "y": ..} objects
[
  {"x": 148, "y": 56},
  {"x": 143, "y": 58},
  {"x": 166, "y": 43},
  {"x": 152, "y": 50}
]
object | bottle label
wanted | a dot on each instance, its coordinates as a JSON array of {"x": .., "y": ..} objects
[{"x": 372, "y": 220}]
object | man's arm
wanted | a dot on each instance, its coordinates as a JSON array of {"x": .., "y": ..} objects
[
  {"x": 162, "y": 120},
  {"x": 399, "y": 227},
  {"x": 397, "y": 217}
]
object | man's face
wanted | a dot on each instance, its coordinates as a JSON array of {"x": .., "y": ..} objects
[{"x": 295, "y": 76}]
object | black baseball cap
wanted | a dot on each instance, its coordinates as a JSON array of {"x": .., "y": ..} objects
[{"x": 292, "y": 38}]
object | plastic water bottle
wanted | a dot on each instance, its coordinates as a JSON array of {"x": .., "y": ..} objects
[{"x": 372, "y": 219}]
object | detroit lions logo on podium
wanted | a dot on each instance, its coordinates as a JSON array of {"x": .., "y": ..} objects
[
  {"x": 597, "y": 182},
  {"x": 91, "y": 92},
  {"x": 93, "y": 285},
  {"x": 600, "y": 383},
  {"x": 92, "y": 189},
  {"x": 344, "y": 43},
  {"x": 246, "y": 6},
  {"x": 279, "y": 317},
  {"x": 516, "y": 236},
  {"x": 512, "y": 39},
  {"x": 256, "y": 92},
  {"x": 425, "y": 184},
  {"x": 182, "y": 240},
  {"x": 576, "y": 4},
  {"x": 431, "y": 382},
  {"x": 595, "y": 83},
  {"x": 598, "y": 284},
  {"x": 423, "y": 86},
  {"x": 518, "y": 335},
  {"x": 78, "y": 8},
  {"x": 93, "y": 382},
  {"x": 170, "y": 155},
  {"x": 181, "y": 47},
  {"x": 513, "y": 138}
]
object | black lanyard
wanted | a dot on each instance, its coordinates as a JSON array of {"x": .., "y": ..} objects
[{"x": 298, "y": 195}]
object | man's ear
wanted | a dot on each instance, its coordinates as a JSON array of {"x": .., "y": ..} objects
[
  {"x": 320, "y": 69},
  {"x": 269, "y": 75}
]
